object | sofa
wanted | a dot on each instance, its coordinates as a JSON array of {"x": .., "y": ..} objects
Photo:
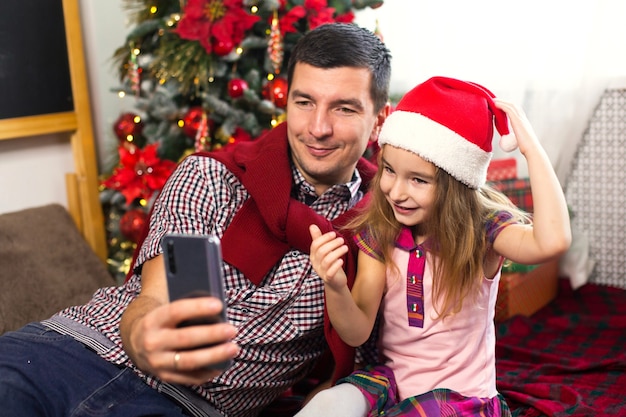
[{"x": 45, "y": 265}]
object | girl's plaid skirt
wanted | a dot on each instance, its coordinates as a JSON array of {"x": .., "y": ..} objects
[{"x": 378, "y": 385}]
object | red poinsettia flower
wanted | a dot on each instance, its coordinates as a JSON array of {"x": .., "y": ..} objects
[
  {"x": 316, "y": 12},
  {"x": 289, "y": 19},
  {"x": 321, "y": 17},
  {"x": 215, "y": 21},
  {"x": 347, "y": 17},
  {"x": 140, "y": 172}
]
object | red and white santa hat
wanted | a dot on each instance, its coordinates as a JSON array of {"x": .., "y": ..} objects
[{"x": 449, "y": 123}]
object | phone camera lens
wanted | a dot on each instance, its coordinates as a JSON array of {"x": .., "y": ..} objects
[{"x": 170, "y": 257}]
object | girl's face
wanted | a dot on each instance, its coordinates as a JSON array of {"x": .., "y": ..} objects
[{"x": 408, "y": 183}]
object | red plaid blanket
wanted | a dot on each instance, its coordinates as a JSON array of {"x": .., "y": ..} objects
[
  {"x": 568, "y": 359},
  {"x": 518, "y": 191}
]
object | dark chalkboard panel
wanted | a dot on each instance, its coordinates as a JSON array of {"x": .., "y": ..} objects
[
  {"x": 44, "y": 91},
  {"x": 34, "y": 65}
]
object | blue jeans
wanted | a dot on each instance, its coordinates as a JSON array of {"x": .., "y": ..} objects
[{"x": 44, "y": 373}]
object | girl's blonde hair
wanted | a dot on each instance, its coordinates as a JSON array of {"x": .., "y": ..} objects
[{"x": 456, "y": 228}]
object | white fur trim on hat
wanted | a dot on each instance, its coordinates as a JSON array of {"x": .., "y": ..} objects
[{"x": 438, "y": 144}]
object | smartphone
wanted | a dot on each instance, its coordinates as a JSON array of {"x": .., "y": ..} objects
[{"x": 194, "y": 268}]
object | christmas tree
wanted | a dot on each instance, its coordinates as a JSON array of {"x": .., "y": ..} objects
[{"x": 205, "y": 74}]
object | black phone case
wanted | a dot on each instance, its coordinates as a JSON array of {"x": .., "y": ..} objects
[{"x": 194, "y": 268}]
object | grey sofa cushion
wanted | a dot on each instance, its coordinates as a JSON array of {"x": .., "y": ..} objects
[{"x": 45, "y": 265}]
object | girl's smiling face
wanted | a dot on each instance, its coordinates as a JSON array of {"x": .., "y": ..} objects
[{"x": 408, "y": 183}]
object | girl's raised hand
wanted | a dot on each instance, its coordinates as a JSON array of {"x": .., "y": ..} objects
[
  {"x": 327, "y": 251},
  {"x": 522, "y": 128}
]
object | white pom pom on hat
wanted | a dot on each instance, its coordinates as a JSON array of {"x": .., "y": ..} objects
[{"x": 450, "y": 123}]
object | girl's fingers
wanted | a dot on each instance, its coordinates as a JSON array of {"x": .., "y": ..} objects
[
  {"x": 315, "y": 231},
  {"x": 335, "y": 267}
]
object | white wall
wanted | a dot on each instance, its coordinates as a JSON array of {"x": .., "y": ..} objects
[
  {"x": 32, "y": 171},
  {"x": 105, "y": 26}
]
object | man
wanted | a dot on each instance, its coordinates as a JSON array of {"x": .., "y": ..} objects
[{"x": 259, "y": 199}]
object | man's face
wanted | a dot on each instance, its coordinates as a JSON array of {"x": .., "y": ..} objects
[{"x": 330, "y": 120}]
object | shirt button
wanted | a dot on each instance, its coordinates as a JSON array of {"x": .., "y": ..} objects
[{"x": 418, "y": 253}]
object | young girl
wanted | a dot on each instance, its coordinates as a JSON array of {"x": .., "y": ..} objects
[{"x": 432, "y": 243}]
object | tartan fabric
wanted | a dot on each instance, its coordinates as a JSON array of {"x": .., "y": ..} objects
[
  {"x": 379, "y": 387},
  {"x": 518, "y": 191},
  {"x": 502, "y": 169},
  {"x": 368, "y": 245},
  {"x": 568, "y": 359}
]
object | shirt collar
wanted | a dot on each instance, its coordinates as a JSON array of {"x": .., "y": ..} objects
[
  {"x": 305, "y": 191},
  {"x": 406, "y": 241}
]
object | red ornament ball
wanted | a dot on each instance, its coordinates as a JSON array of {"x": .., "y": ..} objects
[
  {"x": 132, "y": 224},
  {"x": 127, "y": 127},
  {"x": 222, "y": 48},
  {"x": 236, "y": 87},
  {"x": 276, "y": 91},
  {"x": 192, "y": 121}
]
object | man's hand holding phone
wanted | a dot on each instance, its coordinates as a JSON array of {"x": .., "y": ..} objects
[
  {"x": 194, "y": 271},
  {"x": 156, "y": 343},
  {"x": 184, "y": 355}
]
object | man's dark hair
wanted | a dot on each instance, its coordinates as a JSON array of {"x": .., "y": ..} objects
[{"x": 336, "y": 45}]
